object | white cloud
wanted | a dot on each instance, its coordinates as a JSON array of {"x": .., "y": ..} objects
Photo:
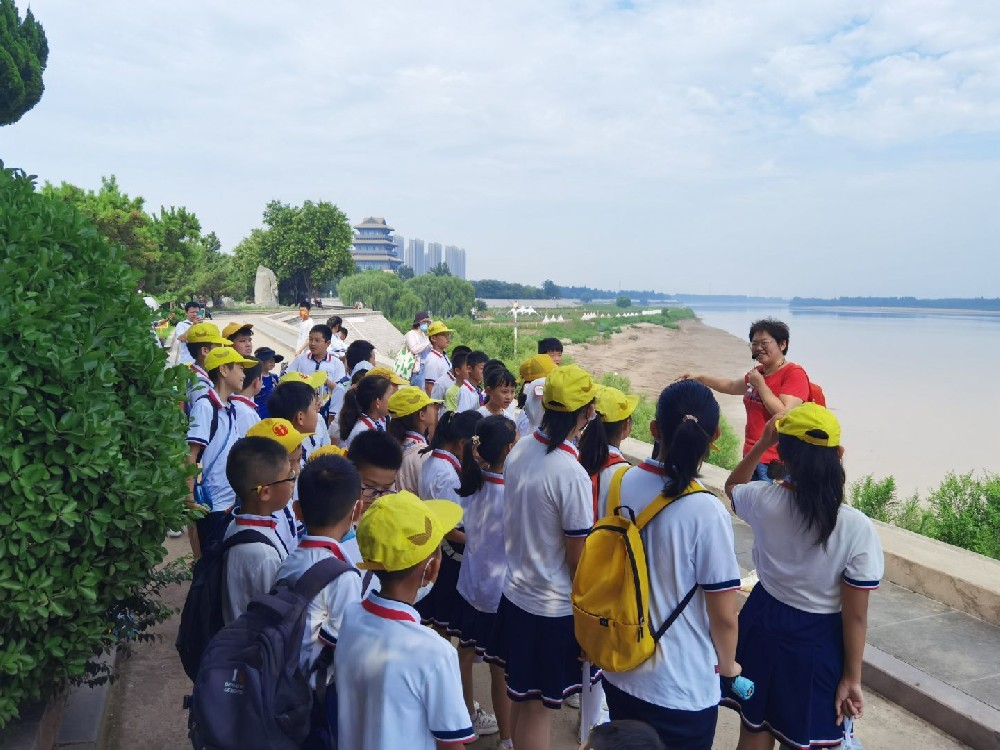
[{"x": 677, "y": 135}]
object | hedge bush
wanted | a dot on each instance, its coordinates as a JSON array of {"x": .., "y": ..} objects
[{"x": 92, "y": 448}]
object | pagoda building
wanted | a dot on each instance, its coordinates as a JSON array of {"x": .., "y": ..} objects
[{"x": 373, "y": 247}]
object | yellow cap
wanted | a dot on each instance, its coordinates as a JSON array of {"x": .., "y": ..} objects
[
  {"x": 613, "y": 405},
  {"x": 233, "y": 328},
  {"x": 409, "y": 400},
  {"x": 438, "y": 327},
  {"x": 206, "y": 333},
  {"x": 390, "y": 375},
  {"x": 811, "y": 423},
  {"x": 279, "y": 430},
  {"x": 226, "y": 355},
  {"x": 568, "y": 388},
  {"x": 536, "y": 367},
  {"x": 328, "y": 450},
  {"x": 313, "y": 380},
  {"x": 400, "y": 530}
]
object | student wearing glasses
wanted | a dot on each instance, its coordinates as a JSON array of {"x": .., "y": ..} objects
[
  {"x": 773, "y": 386},
  {"x": 258, "y": 470},
  {"x": 377, "y": 458}
]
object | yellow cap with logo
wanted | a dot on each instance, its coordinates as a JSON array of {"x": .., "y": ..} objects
[
  {"x": 438, "y": 327},
  {"x": 409, "y": 400},
  {"x": 226, "y": 355},
  {"x": 388, "y": 374},
  {"x": 313, "y": 380},
  {"x": 400, "y": 530},
  {"x": 811, "y": 423},
  {"x": 536, "y": 367},
  {"x": 233, "y": 328},
  {"x": 206, "y": 333},
  {"x": 279, "y": 430}
]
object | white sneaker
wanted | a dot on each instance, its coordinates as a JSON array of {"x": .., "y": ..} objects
[
  {"x": 175, "y": 534},
  {"x": 484, "y": 724},
  {"x": 573, "y": 701}
]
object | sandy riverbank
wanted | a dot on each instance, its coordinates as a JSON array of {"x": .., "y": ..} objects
[{"x": 652, "y": 357}]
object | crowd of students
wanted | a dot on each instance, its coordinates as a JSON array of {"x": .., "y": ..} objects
[{"x": 463, "y": 505}]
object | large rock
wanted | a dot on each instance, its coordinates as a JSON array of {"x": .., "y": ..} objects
[{"x": 265, "y": 288}]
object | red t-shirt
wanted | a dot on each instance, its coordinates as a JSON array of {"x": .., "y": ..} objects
[{"x": 790, "y": 380}]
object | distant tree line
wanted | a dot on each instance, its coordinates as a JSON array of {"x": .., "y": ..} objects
[{"x": 944, "y": 303}]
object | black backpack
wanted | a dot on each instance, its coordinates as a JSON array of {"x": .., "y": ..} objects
[
  {"x": 250, "y": 690},
  {"x": 201, "y": 617}
]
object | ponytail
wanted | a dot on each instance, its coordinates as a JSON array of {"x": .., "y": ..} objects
[
  {"x": 493, "y": 434},
  {"x": 452, "y": 427},
  {"x": 350, "y": 412},
  {"x": 399, "y": 426},
  {"x": 593, "y": 447},
  {"x": 557, "y": 425},
  {"x": 818, "y": 480},
  {"x": 359, "y": 400},
  {"x": 687, "y": 415}
]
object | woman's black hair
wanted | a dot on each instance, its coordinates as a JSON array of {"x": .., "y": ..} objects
[
  {"x": 498, "y": 377},
  {"x": 494, "y": 433},
  {"x": 452, "y": 427},
  {"x": 687, "y": 415},
  {"x": 818, "y": 483},
  {"x": 557, "y": 425},
  {"x": 594, "y": 443},
  {"x": 776, "y": 329},
  {"x": 399, "y": 426},
  {"x": 359, "y": 400},
  {"x": 288, "y": 399}
]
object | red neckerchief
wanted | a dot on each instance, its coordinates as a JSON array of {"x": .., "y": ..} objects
[
  {"x": 470, "y": 386},
  {"x": 492, "y": 478},
  {"x": 244, "y": 400},
  {"x": 319, "y": 543},
  {"x": 386, "y": 613},
  {"x": 446, "y": 456},
  {"x": 200, "y": 373},
  {"x": 266, "y": 523},
  {"x": 653, "y": 468},
  {"x": 416, "y": 436},
  {"x": 564, "y": 446}
]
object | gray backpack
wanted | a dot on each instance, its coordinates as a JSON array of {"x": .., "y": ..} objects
[{"x": 250, "y": 690}]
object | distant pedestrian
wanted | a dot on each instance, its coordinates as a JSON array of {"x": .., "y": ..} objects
[
  {"x": 191, "y": 317},
  {"x": 418, "y": 344}
]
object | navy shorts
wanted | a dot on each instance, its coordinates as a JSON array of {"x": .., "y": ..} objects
[
  {"x": 442, "y": 606},
  {"x": 795, "y": 660},
  {"x": 540, "y": 655},
  {"x": 679, "y": 730}
]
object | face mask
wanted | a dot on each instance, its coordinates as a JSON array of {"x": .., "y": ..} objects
[
  {"x": 424, "y": 327},
  {"x": 425, "y": 588},
  {"x": 349, "y": 536}
]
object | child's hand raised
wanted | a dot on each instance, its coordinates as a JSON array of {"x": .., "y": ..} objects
[{"x": 770, "y": 434}]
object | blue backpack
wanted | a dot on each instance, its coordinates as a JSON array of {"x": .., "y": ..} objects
[{"x": 250, "y": 690}]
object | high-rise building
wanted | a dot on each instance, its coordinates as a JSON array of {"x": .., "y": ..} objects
[
  {"x": 374, "y": 248},
  {"x": 454, "y": 257},
  {"x": 419, "y": 256},
  {"x": 434, "y": 255}
]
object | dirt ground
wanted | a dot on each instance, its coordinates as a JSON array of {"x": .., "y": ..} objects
[{"x": 653, "y": 357}]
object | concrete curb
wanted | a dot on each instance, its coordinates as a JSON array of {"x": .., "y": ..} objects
[{"x": 949, "y": 709}]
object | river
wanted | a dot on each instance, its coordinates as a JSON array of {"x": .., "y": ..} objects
[{"x": 909, "y": 388}]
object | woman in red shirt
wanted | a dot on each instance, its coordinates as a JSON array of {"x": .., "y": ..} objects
[{"x": 775, "y": 385}]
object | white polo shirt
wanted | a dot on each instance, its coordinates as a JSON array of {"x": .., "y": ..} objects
[
  {"x": 604, "y": 482},
  {"x": 303, "y": 338},
  {"x": 441, "y": 386},
  {"x": 533, "y": 409},
  {"x": 364, "y": 424},
  {"x": 439, "y": 477},
  {"x": 510, "y": 412},
  {"x": 484, "y": 562},
  {"x": 398, "y": 684},
  {"x": 245, "y": 410},
  {"x": 437, "y": 366},
  {"x": 251, "y": 569},
  {"x": 791, "y": 566},
  {"x": 326, "y": 611},
  {"x": 689, "y": 543},
  {"x": 183, "y": 355},
  {"x": 201, "y": 385},
  {"x": 312, "y": 442},
  {"x": 547, "y": 497},
  {"x": 329, "y": 364},
  {"x": 468, "y": 397},
  {"x": 216, "y": 449},
  {"x": 408, "y": 477},
  {"x": 336, "y": 403}
]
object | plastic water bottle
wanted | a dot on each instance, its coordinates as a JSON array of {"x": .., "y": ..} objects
[{"x": 850, "y": 741}]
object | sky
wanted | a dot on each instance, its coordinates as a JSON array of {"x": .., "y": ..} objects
[{"x": 778, "y": 147}]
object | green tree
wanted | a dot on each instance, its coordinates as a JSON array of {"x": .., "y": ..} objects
[
  {"x": 405, "y": 272},
  {"x": 92, "y": 453},
  {"x": 380, "y": 291},
  {"x": 550, "y": 290},
  {"x": 24, "y": 53},
  {"x": 303, "y": 245},
  {"x": 441, "y": 269},
  {"x": 444, "y": 296},
  {"x": 623, "y": 301}
]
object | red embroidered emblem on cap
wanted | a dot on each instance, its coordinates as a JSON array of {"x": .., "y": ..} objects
[{"x": 280, "y": 430}]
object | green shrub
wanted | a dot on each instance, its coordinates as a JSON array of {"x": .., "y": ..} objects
[
  {"x": 875, "y": 498},
  {"x": 92, "y": 449},
  {"x": 967, "y": 512}
]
